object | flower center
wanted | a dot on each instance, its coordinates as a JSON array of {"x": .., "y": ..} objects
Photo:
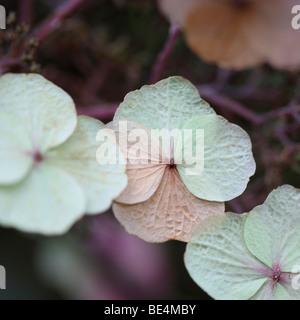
[
  {"x": 171, "y": 165},
  {"x": 276, "y": 274},
  {"x": 37, "y": 157}
]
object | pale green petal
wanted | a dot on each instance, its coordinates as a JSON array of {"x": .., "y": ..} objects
[
  {"x": 280, "y": 293},
  {"x": 265, "y": 292},
  {"x": 228, "y": 160},
  {"x": 291, "y": 284},
  {"x": 100, "y": 182},
  {"x": 272, "y": 230},
  {"x": 168, "y": 104},
  {"x": 219, "y": 261},
  {"x": 48, "y": 202},
  {"x": 15, "y": 162},
  {"x": 270, "y": 292},
  {"x": 47, "y": 112}
]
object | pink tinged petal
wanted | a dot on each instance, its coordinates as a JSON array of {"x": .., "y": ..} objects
[
  {"x": 145, "y": 160},
  {"x": 143, "y": 181},
  {"x": 280, "y": 285},
  {"x": 291, "y": 283},
  {"x": 171, "y": 213},
  {"x": 272, "y": 292}
]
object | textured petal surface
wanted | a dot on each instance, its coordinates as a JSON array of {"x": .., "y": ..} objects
[
  {"x": 272, "y": 230},
  {"x": 101, "y": 182},
  {"x": 228, "y": 160},
  {"x": 145, "y": 160},
  {"x": 46, "y": 111},
  {"x": 220, "y": 263},
  {"x": 143, "y": 181},
  {"x": 171, "y": 213},
  {"x": 48, "y": 202},
  {"x": 168, "y": 104},
  {"x": 14, "y": 145}
]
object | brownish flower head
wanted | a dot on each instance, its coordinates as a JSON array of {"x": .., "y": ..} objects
[
  {"x": 156, "y": 205},
  {"x": 183, "y": 161},
  {"x": 238, "y": 33}
]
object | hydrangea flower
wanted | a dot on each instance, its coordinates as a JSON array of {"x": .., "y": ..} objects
[
  {"x": 251, "y": 256},
  {"x": 165, "y": 199},
  {"x": 238, "y": 33},
  {"x": 49, "y": 174}
]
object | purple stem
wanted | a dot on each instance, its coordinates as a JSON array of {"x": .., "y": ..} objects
[
  {"x": 164, "y": 54},
  {"x": 236, "y": 206},
  {"x": 211, "y": 96},
  {"x": 54, "y": 21},
  {"x": 41, "y": 32}
]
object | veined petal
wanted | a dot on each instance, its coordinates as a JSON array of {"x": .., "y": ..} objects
[
  {"x": 168, "y": 104},
  {"x": 219, "y": 261},
  {"x": 144, "y": 158},
  {"x": 171, "y": 213},
  {"x": 291, "y": 283},
  {"x": 48, "y": 202},
  {"x": 15, "y": 162},
  {"x": 227, "y": 159},
  {"x": 272, "y": 230},
  {"x": 143, "y": 181},
  {"x": 46, "y": 112},
  {"x": 80, "y": 157},
  {"x": 270, "y": 292}
]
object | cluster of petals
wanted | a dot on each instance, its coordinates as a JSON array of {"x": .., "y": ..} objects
[{"x": 49, "y": 172}]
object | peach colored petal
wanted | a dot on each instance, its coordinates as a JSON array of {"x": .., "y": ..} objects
[
  {"x": 272, "y": 35},
  {"x": 217, "y": 32},
  {"x": 145, "y": 160},
  {"x": 237, "y": 35},
  {"x": 143, "y": 181},
  {"x": 171, "y": 213}
]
